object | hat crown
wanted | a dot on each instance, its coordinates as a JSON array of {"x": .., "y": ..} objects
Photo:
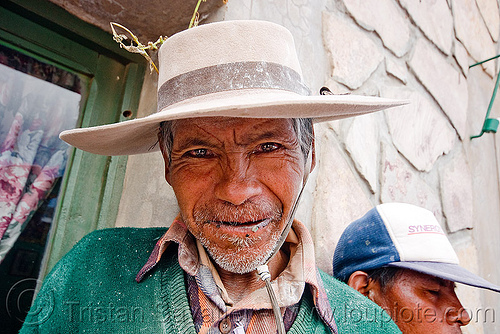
[
  {"x": 224, "y": 69},
  {"x": 224, "y": 43},
  {"x": 416, "y": 233}
]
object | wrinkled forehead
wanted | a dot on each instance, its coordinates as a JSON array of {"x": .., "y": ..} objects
[{"x": 249, "y": 125}]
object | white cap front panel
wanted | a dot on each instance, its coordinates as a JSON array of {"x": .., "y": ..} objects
[{"x": 416, "y": 233}]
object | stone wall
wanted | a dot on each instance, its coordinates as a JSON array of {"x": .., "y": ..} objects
[{"x": 420, "y": 153}]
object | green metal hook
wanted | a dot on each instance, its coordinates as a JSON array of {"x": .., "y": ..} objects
[{"x": 490, "y": 124}]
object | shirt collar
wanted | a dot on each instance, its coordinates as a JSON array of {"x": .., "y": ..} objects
[{"x": 187, "y": 252}]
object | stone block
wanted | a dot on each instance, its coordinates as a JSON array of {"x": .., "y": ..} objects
[
  {"x": 294, "y": 13},
  {"x": 147, "y": 200},
  {"x": 397, "y": 69},
  {"x": 471, "y": 30},
  {"x": 469, "y": 296},
  {"x": 399, "y": 183},
  {"x": 462, "y": 57},
  {"x": 389, "y": 23},
  {"x": 497, "y": 147},
  {"x": 339, "y": 200},
  {"x": 491, "y": 15},
  {"x": 305, "y": 24},
  {"x": 238, "y": 10},
  {"x": 456, "y": 193},
  {"x": 363, "y": 144},
  {"x": 434, "y": 19},
  {"x": 305, "y": 207},
  {"x": 446, "y": 85},
  {"x": 300, "y": 2},
  {"x": 338, "y": 126},
  {"x": 419, "y": 130},
  {"x": 353, "y": 55}
]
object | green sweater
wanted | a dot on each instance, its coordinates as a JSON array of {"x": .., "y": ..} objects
[{"x": 93, "y": 290}]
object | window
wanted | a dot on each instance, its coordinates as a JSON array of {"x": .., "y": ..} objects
[{"x": 56, "y": 72}]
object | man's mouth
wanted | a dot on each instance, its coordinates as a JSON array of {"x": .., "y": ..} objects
[{"x": 252, "y": 225}]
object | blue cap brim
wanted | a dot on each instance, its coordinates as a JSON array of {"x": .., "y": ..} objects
[{"x": 448, "y": 271}]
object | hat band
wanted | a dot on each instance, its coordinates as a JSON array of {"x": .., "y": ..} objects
[{"x": 227, "y": 77}]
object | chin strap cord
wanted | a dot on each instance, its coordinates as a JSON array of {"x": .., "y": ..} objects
[
  {"x": 264, "y": 274},
  {"x": 263, "y": 270}
]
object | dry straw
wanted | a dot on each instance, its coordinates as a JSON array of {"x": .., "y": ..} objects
[{"x": 137, "y": 47}]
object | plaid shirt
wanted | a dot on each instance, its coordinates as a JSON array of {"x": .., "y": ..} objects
[{"x": 212, "y": 309}]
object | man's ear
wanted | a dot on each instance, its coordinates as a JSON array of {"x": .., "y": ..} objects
[
  {"x": 359, "y": 281},
  {"x": 167, "y": 169},
  {"x": 313, "y": 155}
]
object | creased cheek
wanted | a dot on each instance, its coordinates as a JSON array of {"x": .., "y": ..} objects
[
  {"x": 285, "y": 186},
  {"x": 193, "y": 183}
]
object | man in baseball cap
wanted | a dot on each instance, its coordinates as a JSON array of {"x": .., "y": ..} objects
[{"x": 398, "y": 256}]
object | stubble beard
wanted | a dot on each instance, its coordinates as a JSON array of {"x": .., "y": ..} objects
[{"x": 245, "y": 256}]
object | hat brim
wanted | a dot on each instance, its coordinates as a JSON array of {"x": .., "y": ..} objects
[
  {"x": 140, "y": 135},
  {"x": 448, "y": 271}
]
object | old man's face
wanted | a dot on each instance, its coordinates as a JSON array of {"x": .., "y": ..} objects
[{"x": 235, "y": 180}]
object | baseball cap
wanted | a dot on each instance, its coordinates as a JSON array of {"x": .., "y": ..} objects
[{"x": 404, "y": 236}]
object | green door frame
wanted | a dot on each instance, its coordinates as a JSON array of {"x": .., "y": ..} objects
[{"x": 92, "y": 184}]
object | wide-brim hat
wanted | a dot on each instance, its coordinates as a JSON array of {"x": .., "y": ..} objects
[
  {"x": 404, "y": 236},
  {"x": 229, "y": 68}
]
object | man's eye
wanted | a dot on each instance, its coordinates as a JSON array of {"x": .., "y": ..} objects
[
  {"x": 433, "y": 292},
  {"x": 269, "y": 147},
  {"x": 199, "y": 153}
]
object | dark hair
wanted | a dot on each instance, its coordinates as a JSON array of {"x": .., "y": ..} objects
[
  {"x": 303, "y": 129},
  {"x": 166, "y": 138},
  {"x": 385, "y": 276}
]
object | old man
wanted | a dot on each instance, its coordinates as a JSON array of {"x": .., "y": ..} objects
[{"x": 235, "y": 128}]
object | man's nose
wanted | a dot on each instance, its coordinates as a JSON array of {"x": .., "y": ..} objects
[
  {"x": 237, "y": 183},
  {"x": 463, "y": 316},
  {"x": 457, "y": 314}
]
